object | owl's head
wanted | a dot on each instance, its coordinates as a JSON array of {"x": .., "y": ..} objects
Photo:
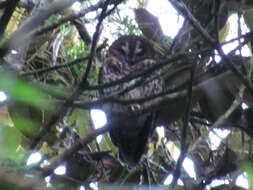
[{"x": 131, "y": 49}]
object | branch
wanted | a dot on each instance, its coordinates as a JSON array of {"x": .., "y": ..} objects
[
  {"x": 5, "y": 18},
  {"x": 184, "y": 146},
  {"x": 74, "y": 148},
  {"x": 187, "y": 14},
  {"x": 23, "y": 34},
  {"x": 214, "y": 43},
  {"x": 3, "y": 4},
  {"x": 44, "y": 29}
]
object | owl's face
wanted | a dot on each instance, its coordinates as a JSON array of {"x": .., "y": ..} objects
[{"x": 131, "y": 49}]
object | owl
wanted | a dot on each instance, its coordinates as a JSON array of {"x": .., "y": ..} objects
[{"x": 130, "y": 54}]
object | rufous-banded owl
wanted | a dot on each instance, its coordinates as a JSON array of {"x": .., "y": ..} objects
[{"x": 130, "y": 54}]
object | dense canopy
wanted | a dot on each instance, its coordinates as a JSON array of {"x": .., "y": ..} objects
[{"x": 51, "y": 52}]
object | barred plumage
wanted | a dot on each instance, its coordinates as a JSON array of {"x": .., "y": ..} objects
[{"x": 130, "y": 54}]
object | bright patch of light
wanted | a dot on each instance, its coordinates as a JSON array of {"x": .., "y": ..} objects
[
  {"x": 99, "y": 119},
  {"x": 189, "y": 167},
  {"x": 48, "y": 179},
  {"x": 82, "y": 188},
  {"x": 233, "y": 33},
  {"x": 163, "y": 10},
  {"x": 34, "y": 158},
  {"x": 44, "y": 163},
  {"x": 216, "y": 136},
  {"x": 99, "y": 138},
  {"x": 160, "y": 131},
  {"x": 244, "y": 106},
  {"x": 217, "y": 57},
  {"x": 60, "y": 170},
  {"x": 3, "y": 96},
  {"x": 169, "y": 179},
  {"x": 242, "y": 181},
  {"x": 13, "y": 51},
  {"x": 76, "y": 6},
  {"x": 187, "y": 163},
  {"x": 218, "y": 182},
  {"x": 94, "y": 185}
]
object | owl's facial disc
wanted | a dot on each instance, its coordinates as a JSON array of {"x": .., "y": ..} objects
[
  {"x": 127, "y": 53},
  {"x": 132, "y": 50}
]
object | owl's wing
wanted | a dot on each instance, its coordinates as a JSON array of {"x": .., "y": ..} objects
[{"x": 131, "y": 136}]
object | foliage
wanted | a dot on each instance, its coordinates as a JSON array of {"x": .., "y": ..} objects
[{"x": 51, "y": 83}]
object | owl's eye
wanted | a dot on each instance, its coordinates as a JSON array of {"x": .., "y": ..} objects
[
  {"x": 139, "y": 51},
  {"x": 124, "y": 49}
]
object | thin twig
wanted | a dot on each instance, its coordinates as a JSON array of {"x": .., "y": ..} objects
[
  {"x": 188, "y": 15},
  {"x": 73, "y": 16},
  {"x": 183, "y": 9},
  {"x": 54, "y": 68},
  {"x": 184, "y": 146},
  {"x": 221, "y": 119}
]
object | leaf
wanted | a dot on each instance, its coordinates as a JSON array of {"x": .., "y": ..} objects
[
  {"x": 107, "y": 144},
  {"x": 81, "y": 118},
  {"x": 26, "y": 126},
  {"x": 22, "y": 91},
  {"x": 248, "y": 167},
  {"x": 224, "y": 32},
  {"x": 14, "y": 21},
  {"x": 248, "y": 17},
  {"x": 10, "y": 140},
  {"x": 4, "y": 116}
]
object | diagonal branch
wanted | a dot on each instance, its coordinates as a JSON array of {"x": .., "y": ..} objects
[
  {"x": 74, "y": 148},
  {"x": 5, "y": 18},
  {"x": 184, "y": 146},
  {"x": 183, "y": 9},
  {"x": 188, "y": 15},
  {"x": 43, "y": 29}
]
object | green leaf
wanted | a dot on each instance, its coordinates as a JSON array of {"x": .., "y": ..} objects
[
  {"x": 81, "y": 118},
  {"x": 22, "y": 91},
  {"x": 248, "y": 167},
  {"x": 10, "y": 140},
  {"x": 27, "y": 127}
]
